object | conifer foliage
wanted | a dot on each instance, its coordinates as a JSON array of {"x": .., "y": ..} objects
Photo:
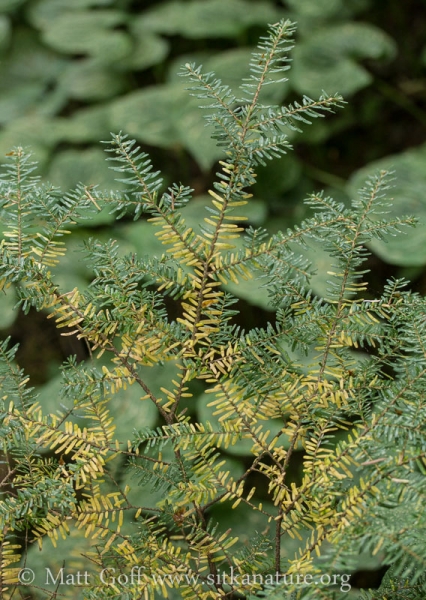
[{"x": 336, "y": 383}]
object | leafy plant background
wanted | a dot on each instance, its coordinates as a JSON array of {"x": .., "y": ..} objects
[{"x": 71, "y": 72}]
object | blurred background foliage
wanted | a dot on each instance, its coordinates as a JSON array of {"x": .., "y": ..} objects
[{"x": 71, "y": 71}]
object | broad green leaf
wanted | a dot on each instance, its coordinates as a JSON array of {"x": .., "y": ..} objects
[
  {"x": 312, "y": 15},
  {"x": 85, "y": 125},
  {"x": 90, "y": 33},
  {"x": 234, "y": 466},
  {"x": 187, "y": 120},
  {"x": 358, "y": 40},
  {"x": 208, "y": 18},
  {"x": 154, "y": 377},
  {"x": 325, "y": 9},
  {"x": 51, "y": 401},
  {"x": 42, "y": 12},
  {"x": 251, "y": 290},
  {"x": 67, "y": 555},
  {"x": 26, "y": 75},
  {"x": 327, "y": 59},
  {"x": 141, "y": 238},
  {"x": 70, "y": 167},
  {"x": 34, "y": 133},
  {"x": 71, "y": 271},
  {"x": 20, "y": 100},
  {"x": 315, "y": 8},
  {"x": 190, "y": 127},
  {"x": 130, "y": 412},
  {"x": 148, "y": 47},
  {"x": 148, "y": 114},
  {"x": 148, "y": 50},
  {"x": 28, "y": 61},
  {"x": 332, "y": 74},
  {"x": 321, "y": 263},
  {"x": 87, "y": 80},
  {"x": 7, "y": 302},
  {"x": 407, "y": 198}
]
